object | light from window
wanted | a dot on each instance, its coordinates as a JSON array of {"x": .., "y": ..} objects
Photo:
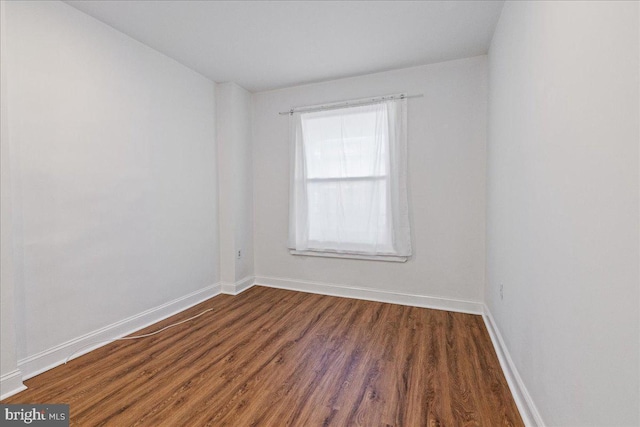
[{"x": 345, "y": 197}]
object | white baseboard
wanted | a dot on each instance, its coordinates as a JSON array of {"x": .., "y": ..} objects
[
  {"x": 55, "y": 356},
  {"x": 11, "y": 383},
  {"x": 437, "y": 303},
  {"x": 528, "y": 410},
  {"x": 238, "y": 287}
]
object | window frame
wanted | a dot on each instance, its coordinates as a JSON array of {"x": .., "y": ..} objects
[{"x": 319, "y": 248}]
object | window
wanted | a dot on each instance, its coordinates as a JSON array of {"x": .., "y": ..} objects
[{"x": 348, "y": 190}]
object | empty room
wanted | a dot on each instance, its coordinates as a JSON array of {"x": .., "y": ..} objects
[{"x": 320, "y": 213}]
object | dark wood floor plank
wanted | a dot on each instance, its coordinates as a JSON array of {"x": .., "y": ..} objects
[{"x": 271, "y": 357}]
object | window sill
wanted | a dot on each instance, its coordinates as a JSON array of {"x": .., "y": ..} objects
[{"x": 388, "y": 258}]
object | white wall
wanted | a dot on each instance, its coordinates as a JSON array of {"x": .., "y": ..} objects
[
  {"x": 233, "y": 124},
  {"x": 11, "y": 379},
  {"x": 563, "y": 215},
  {"x": 115, "y": 177},
  {"x": 446, "y": 139}
]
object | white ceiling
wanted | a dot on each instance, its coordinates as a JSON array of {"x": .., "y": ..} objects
[{"x": 264, "y": 45}]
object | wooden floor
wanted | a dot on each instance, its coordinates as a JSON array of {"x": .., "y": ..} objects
[{"x": 272, "y": 357}]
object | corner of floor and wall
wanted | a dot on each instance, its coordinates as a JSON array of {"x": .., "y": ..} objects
[{"x": 524, "y": 185}]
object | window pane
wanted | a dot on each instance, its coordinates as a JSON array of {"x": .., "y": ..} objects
[
  {"x": 351, "y": 212},
  {"x": 345, "y": 195},
  {"x": 351, "y": 143}
]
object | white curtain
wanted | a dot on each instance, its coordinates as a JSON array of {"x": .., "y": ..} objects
[{"x": 348, "y": 181}]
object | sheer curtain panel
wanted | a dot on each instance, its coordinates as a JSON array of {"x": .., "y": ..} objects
[{"x": 348, "y": 193}]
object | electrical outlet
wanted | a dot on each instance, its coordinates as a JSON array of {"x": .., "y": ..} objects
[
  {"x": 501, "y": 292},
  {"x": 239, "y": 255}
]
